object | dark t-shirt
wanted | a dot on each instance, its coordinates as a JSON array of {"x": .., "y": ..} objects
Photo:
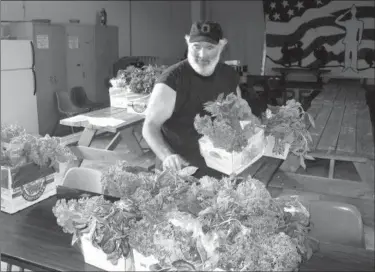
[{"x": 192, "y": 91}]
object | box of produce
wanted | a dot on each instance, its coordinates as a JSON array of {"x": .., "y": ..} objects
[
  {"x": 233, "y": 138},
  {"x": 286, "y": 129},
  {"x": 118, "y": 97},
  {"x": 171, "y": 221},
  {"x": 28, "y": 167},
  {"x": 132, "y": 87}
]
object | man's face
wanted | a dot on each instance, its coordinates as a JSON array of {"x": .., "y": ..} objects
[{"x": 204, "y": 56}]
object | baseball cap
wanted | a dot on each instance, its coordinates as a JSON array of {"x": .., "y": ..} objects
[{"x": 206, "y": 31}]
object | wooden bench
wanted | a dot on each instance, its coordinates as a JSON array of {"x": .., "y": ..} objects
[
  {"x": 72, "y": 139},
  {"x": 301, "y": 88},
  {"x": 263, "y": 170},
  {"x": 342, "y": 133},
  {"x": 145, "y": 160}
]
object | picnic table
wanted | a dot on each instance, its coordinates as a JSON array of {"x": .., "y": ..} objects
[
  {"x": 342, "y": 133},
  {"x": 316, "y": 72},
  {"x": 32, "y": 240},
  {"x": 112, "y": 120}
]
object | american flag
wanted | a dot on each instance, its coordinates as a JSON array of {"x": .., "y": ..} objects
[{"x": 312, "y": 22}]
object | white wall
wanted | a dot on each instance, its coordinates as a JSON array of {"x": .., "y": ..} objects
[
  {"x": 157, "y": 27},
  {"x": 160, "y": 27},
  {"x": 244, "y": 27}
]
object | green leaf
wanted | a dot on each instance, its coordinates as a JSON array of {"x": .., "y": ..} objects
[
  {"x": 309, "y": 157},
  {"x": 302, "y": 161},
  {"x": 220, "y": 97},
  {"x": 311, "y": 119},
  {"x": 187, "y": 171}
]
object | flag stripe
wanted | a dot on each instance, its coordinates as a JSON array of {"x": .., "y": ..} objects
[
  {"x": 278, "y": 40},
  {"x": 333, "y": 63},
  {"x": 341, "y": 56},
  {"x": 315, "y": 13},
  {"x": 336, "y": 48}
]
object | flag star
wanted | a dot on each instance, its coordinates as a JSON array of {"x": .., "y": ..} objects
[
  {"x": 276, "y": 16},
  {"x": 267, "y": 17},
  {"x": 318, "y": 2},
  {"x": 290, "y": 12},
  {"x": 299, "y": 5},
  {"x": 273, "y": 5},
  {"x": 285, "y": 3}
]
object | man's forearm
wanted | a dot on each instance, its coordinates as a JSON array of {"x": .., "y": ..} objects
[{"x": 155, "y": 140}]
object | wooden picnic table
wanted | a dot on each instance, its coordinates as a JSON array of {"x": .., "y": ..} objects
[
  {"x": 286, "y": 71},
  {"x": 113, "y": 120},
  {"x": 342, "y": 133},
  {"x": 32, "y": 239}
]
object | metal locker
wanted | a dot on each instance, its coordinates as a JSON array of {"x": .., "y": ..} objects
[
  {"x": 91, "y": 52},
  {"x": 80, "y": 62},
  {"x": 106, "y": 54}
]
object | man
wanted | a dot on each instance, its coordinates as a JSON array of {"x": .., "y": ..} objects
[{"x": 179, "y": 95}]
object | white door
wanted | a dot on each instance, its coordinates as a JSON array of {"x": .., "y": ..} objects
[
  {"x": 16, "y": 54},
  {"x": 18, "y": 102}
]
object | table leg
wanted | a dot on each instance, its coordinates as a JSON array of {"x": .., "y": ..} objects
[
  {"x": 115, "y": 141},
  {"x": 131, "y": 142},
  {"x": 85, "y": 140}
]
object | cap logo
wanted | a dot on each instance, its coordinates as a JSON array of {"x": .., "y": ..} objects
[
  {"x": 205, "y": 28},
  {"x": 194, "y": 28}
]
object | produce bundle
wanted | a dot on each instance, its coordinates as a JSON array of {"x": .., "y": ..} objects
[
  {"x": 192, "y": 225},
  {"x": 19, "y": 148},
  {"x": 288, "y": 125},
  {"x": 139, "y": 80},
  {"x": 230, "y": 124}
]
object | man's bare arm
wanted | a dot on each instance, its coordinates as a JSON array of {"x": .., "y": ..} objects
[{"x": 160, "y": 109}]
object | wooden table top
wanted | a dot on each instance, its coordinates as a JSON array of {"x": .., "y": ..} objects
[
  {"x": 123, "y": 119},
  {"x": 33, "y": 236},
  {"x": 300, "y": 70},
  {"x": 342, "y": 122}
]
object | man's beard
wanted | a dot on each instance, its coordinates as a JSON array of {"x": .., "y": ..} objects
[{"x": 203, "y": 67}]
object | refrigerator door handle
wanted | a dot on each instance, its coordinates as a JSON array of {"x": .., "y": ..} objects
[
  {"x": 33, "y": 52},
  {"x": 34, "y": 81}
]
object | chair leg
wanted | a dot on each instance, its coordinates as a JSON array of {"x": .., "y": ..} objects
[
  {"x": 55, "y": 128},
  {"x": 72, "y": 128},
  {"x": 9, "y": 267}
]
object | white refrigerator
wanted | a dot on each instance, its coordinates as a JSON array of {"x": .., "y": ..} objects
[{"x": 18, "y": 85}]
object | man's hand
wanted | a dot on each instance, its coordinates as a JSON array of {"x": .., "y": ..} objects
[{"x": 174, "y": 162}]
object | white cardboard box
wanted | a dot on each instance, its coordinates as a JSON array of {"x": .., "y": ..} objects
[
  {"x": 235, "y": 162},
  {"x": 118, "y": 97},
  {"x": 18, "y": 192},
  {"x": 96, "y": 257}
]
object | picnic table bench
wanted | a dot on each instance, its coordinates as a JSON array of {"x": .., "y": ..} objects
[
  {"x": 342, "y": 133},
  {"x": 111, "y": 120},
  {"x": 315, "y": 72}
]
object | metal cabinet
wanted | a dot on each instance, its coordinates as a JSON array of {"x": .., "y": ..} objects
[
  {"x": 49, "y": 67},
  {"x": 91, "y": 51}
]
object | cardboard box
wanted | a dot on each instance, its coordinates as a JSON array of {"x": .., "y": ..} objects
[
  {"x": 96, "y": 257},
  {"x": 268, "y": 151},
  {"x": 25, "y": 187},
  {"x": 137, "y": 103},
  {"x": 235, "y": 162},
  {"x": 118, "y": 97}
]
